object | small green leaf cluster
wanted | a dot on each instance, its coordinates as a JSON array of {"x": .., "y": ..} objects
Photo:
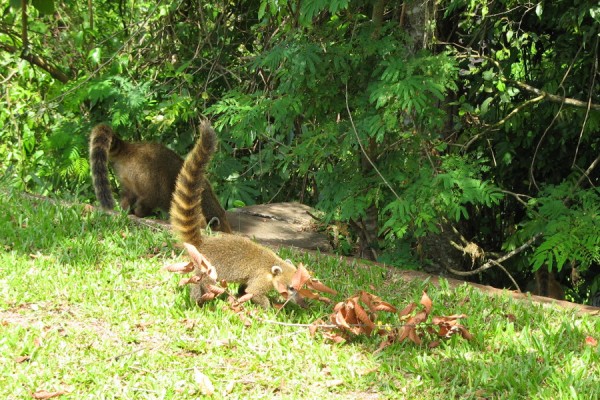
[{"x": 569, "y": 221}]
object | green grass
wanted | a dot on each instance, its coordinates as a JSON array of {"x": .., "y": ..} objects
[{"x": 86, "y": 308}]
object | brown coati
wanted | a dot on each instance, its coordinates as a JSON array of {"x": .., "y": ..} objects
[
  {"x": 147, "y": 173},
  {"x": 544, "y": 283},
  {"x": 236, "y": 259}
]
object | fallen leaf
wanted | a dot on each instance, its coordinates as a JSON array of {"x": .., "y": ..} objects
[
  {"x": 312, "y": 329},
  {"x": 183, "y": 267},
  {"x": 335, "y": 337},
  {"x": 364, "y": 319},
  {"x": 320, "y": 287},
  {"x": 200, "y": 261},
  {"x": 245, "y": 298},
  {"x": 300, "y": 277},
  {"x": 408, "y": 309},
  {"x": 191, "y": 280},
  {"x": 43, "y": 394},
  {"x": 334, "y": 382},
  {"x": 590, "y": 341},
  {"x": 21, "y": 359},
  {"x": 426, "y": 302},
  {"x": 465, "y": 333},
  {"x": 204, "y": 384},
  {"x": 375, "y": 303},
  {"x": 363, "y": 372},
  {"x": 511, "y": 317}
]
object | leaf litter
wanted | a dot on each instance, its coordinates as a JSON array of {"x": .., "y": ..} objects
[{"x": 355, "y": 316}]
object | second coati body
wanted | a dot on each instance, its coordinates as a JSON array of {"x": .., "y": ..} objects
[
  {"x": 147, "y": 173},
  {"x": 236, "y": 259}
]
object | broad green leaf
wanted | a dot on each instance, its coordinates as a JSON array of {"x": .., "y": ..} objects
[{"x": 45, "y": 7}]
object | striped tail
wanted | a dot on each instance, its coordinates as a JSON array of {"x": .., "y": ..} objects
[
  {"x": 186, "y": 214},
  {"x": 100, "y": 141}
]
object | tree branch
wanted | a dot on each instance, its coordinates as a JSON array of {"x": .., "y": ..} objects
[
  {"x": 490, "y": 263},
  {"x": 54, "y": 71},
  {"x": 553, "y": 97},
  {"x": 548, "y": 96}
]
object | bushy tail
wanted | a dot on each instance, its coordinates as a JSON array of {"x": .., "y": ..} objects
[
  {"x": 100, "y": 141},
  {"x": 186, "y": 214}
]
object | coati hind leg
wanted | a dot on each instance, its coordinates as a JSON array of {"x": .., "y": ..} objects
[
  {"x": 127, "y": 200},
  {"x": 134, "y": 204}
]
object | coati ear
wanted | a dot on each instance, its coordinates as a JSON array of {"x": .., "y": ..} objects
[
  {"x": 216, "y": 221},
  {"x": 276, "y": 270}
]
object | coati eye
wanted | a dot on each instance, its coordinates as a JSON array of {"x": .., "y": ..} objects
[
  {"x": 276, "y": 270},
  {"x": 287, "y": 260}
]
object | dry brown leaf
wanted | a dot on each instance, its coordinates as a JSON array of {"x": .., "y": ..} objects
[
  {"x": 364, "y": 319},
  {"x": 334, "y": 382},
  {"x": 374, "y": 303},
  {"x": 312, "y": 329},
  {"x": 206, "y": 297},
  {"x": 384, "y": 344},
  {"x": 404, "y": 332},
  {"x": 408, "y": 309},
  {"x": 449, "y": 325},
  {"x": 340, "y": 319},
  {"x": 338, "y": 306},
  {"x": 511, "y": 317},
  {"x": 363, "y": 372},
  {"x": 465, "y": 333},
  {"x": 216, "y": 290},
  {"x": 190, "y": 280},
  {"x": 308, "y": 294},
  {"x": 414, "y": 336},
  {"x": 351, "y": 317},
  {"x": 21, "y": 359},
  {"x": 300, "y": 277},
  {"x": 320, "y": 287},
  {"x": 419, "y": 317},
  {"x": 43, "y": 394},
  {"x": 334, "y": 337},
  {"x": 201, "y": 262},
  {"x": 245, "y": 298},
  {"x": 204, "y": 384},
  {"x": 426, "y": 302},
  {"x": 384, "y": 306},
  {"x": 183, "y": 267},
  {"x": 590, "y": 341}
]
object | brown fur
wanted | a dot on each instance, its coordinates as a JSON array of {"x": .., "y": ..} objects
[
  {"x": 147, "y": 173},
  {"x": 545, "y": 284},
  {"x": 236, "y": 259}
]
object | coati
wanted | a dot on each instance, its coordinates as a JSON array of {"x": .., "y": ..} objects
[
  {"x": 235, "y": 258},
  {"x": 147, "y": 173},
  {"x": 545, "y": 284}
]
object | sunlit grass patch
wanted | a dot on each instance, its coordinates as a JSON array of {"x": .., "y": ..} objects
[{"x": 87, "y": 309}]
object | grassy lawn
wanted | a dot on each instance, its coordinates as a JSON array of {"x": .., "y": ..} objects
[{"x": 86, "y": 308}]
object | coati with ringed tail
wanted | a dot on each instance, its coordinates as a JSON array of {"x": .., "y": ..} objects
[
  {"x": 236, "y": 259},
  {"x": 147, "y": 173}
]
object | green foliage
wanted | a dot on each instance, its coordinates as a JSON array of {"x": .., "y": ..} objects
[
  {"x": 570, "y": 223},
  {"x": 304, "y": 94}
]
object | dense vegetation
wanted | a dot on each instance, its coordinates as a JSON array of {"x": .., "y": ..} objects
[{"x": 408, "y": 124}]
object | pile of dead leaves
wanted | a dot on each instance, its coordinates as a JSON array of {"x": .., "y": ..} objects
[{"x": 357, "y": 315}]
